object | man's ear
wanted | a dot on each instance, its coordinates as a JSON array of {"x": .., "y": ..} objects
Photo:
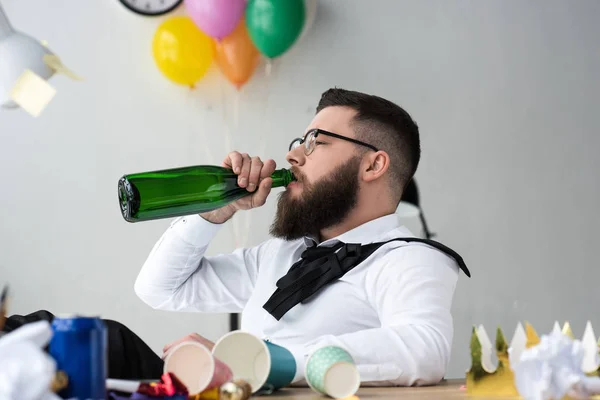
[{"x": 375, "y": 165}]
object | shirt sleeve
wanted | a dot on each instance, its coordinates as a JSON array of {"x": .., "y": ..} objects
[
  {"x": 412, "y": 346},
  {"x": 177, "y": 276}
]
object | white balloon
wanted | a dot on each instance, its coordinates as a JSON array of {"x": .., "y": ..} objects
[
  {"x": 5, "y": 26},
  {"x": 9, "y": 104},
  {"x": 19, "y": 52}
]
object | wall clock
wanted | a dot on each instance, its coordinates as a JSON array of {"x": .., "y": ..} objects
[{"x": 151, "y": 7}]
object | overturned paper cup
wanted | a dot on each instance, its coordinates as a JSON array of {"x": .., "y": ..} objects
[
  {"x": 331, "y": 371},
  {"x": 196, "y": 367},
  {"x": 264, "y": 365}
]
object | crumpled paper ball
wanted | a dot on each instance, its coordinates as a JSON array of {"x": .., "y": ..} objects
[
  {"x": 26, "y": 371},
  {"x": 552, "y": 369}
]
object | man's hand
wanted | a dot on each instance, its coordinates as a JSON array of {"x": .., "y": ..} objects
[
  {"x": 254, "y": 175},
  {"x": 192, "y": 337}
]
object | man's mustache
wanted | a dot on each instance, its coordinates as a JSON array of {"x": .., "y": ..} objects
[{"x": 298, "y": 175}]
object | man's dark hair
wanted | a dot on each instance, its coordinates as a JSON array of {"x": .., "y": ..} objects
[{"x": 384, "y": 125}]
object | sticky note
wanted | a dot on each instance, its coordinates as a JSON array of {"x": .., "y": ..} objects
[{"x": 32, "y": 93}]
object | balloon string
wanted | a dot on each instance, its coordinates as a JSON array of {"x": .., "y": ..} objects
[
  {"x": 228, "y": 144},
  {"x": 194, "y": 133},
  {"x": 236, "y": 110},
  {"x": 226, "y": 130},
  {"x": 270, "y": 71}
]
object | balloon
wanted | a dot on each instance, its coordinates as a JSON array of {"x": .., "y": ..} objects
[
  {"x": 274, "y": 25},
  {"x": 217, "y": 18},
  {"x": 236, "y": 55},
  {"x": 181, "y": 51},
  {"x": 19, "y": 52}
]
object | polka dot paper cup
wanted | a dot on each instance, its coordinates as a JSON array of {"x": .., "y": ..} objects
[{"x": 331, "y": 371}]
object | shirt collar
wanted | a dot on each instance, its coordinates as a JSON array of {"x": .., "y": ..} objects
[{"x": 368, "y": 232}]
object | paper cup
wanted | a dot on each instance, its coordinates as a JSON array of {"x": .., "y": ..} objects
[
  {"x": 331, "y": 371},
  {"x": 264, "y": 365},
  {"x": 196, "y": 367}
]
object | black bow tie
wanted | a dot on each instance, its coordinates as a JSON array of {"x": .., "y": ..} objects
[{"x": 320, "y": 266}]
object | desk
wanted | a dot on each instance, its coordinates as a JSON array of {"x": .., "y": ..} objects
[{"x": 449, "y": 389}]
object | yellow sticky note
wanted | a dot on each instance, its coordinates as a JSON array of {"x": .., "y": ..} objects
[
  {"x": 32, "y": 93},
  {"x": 53, "y": 62}
]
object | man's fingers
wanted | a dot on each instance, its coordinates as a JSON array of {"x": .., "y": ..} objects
[
  {"x": 245, "y": 170},
  {"x": 268, "y": 169},
  {"x": 260, "y": 197},
  {"x": 234, "y": 161},
  {"x": 255, "y": 173}
]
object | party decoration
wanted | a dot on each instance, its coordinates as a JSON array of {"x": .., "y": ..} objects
[
  {"x": 18, "y": 53},
  {"x": 169, "y": 385},
  {"x": 27, "y": 372},
  {"x": 552, "y": 370},
  {"x": 216, "y": 18},
  {"x": 182, "y": 52},
  {"x": 274, "y": 25},
  {"x": 27, "y": 64},
  {"x": 236, "y": 390},
  {"x": 236, "y": 56},
  {"x": 482, "y": 378},
  {"x": 486, "y": 379}
]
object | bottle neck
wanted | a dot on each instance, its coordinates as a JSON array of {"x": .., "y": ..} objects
[{"x": 282, "y": 177}]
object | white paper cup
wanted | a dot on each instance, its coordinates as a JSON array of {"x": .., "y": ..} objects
[
  {"x": 263, "y": 365},
  {"x": 246, "y": 355},
  {"x": 196, "y": 367}
]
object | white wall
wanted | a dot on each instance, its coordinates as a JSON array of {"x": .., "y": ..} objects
[{"x": 506, "y": 94}]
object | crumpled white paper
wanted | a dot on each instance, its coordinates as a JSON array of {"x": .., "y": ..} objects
[
  {"x": 552, "y": 369},
  {"x": 26, "y": 371}
]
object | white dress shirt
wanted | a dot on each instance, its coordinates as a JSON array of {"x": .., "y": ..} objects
[{"x": 391, "y": 312}]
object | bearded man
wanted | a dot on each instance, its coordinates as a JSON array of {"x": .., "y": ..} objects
[{"x": 340, "y": 269}]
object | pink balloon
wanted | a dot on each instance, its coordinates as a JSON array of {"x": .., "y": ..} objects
[{"x": 216, "y": 18}]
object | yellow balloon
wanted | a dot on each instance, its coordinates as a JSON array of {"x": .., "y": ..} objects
[{"x": 182, "y": 51}]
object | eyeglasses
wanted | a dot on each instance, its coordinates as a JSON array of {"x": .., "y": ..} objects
[{"x": 310, "y": 141}]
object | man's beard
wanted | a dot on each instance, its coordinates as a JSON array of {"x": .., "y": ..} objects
[{"x": 322, "y": 204}]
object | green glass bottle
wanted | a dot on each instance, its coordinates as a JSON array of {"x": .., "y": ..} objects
[{"x": 183, "y": 191}]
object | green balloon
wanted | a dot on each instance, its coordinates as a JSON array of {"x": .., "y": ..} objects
[{"x": 274, "y": 25}]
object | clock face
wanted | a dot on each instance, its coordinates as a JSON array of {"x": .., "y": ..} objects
[{"x": 151, "y": 7}]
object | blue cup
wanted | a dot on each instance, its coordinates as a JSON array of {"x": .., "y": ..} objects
[{"x": 264, "y": 365}]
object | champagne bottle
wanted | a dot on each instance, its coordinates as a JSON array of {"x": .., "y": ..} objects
[{"x": 183, "y": 191}]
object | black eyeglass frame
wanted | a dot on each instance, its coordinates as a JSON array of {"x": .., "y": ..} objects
[{"x": 316, "y": 133}]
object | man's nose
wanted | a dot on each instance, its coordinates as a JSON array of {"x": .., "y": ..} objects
[{"x": 296, "y": 156}]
